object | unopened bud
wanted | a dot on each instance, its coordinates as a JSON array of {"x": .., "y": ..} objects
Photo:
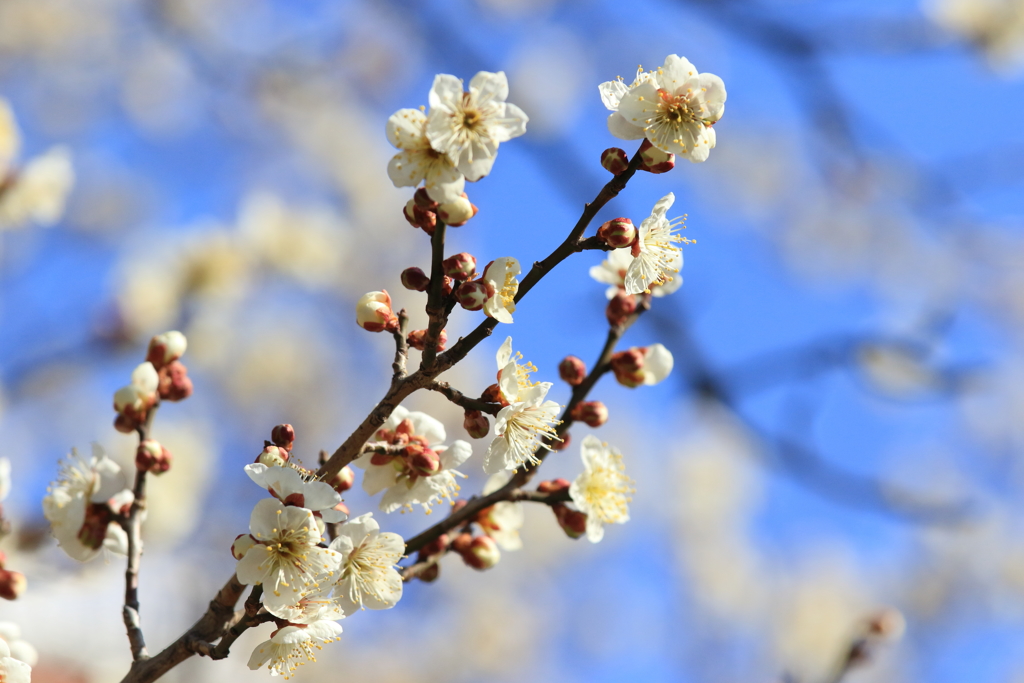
[
  {"x": 457, "y": 212},
  {"x": 166, "y": 347},
  {"x": 476, "y": 424},
  {"x": 12, "y": 584},
  {"x": 373, "y": 312},
  {"x": 417, "y": 339},
  {"x": 273, "y": 456},
  {"x": 343, "y": 480},
  {"x": 620, "y": 307},
  {"x": 175, "y": 384},
  {"x": 483, "y": 553},
  {"x": 628, "y": 367},
  {"x": 617, "y": 233},
  {"x": 415, "y": 279},
  {"x": 460, "y": 267},
  {"x": 423, "y": 200},
  {"x": 419, "y": 217},
  {"x": 430, "y": 574},
  {"x": 438, "y": 545},
  {"x": 425, "y": 462},
  {"x": 655, "y": 160},
  {"x": 593, "y": 413},
  {"x": 462, "y": 542},
  {"x": 492, "y": 394},
  {"x": 572, "y": 370},
  {"x": 553, "y": 485},
  {"x": 472, "y": 295},
  {"x": 151, "y": 456},
  {"x": 241, "y": 545},
  {"x": 573, "y": 522},
  {"x": 614, "y": 160},
  {"x": 888, "y": 625},
  {"x": 284, "y": 436}
]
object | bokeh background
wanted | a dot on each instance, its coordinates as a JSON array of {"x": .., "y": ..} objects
[{"x": 844, "y": 427}]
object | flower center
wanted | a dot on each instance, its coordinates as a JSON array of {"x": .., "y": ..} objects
[
  {"x": 676, "y": 109},
  {"x": 471, "y": 119}
]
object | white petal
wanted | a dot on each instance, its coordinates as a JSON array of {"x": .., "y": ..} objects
[
  {"x": 612, "y": 92},
  {"x": 405, "y": 129},
  {"x": 446, "y": 92},
  {"x": 489, "y": 87},
  {"x": 675, "y": 72},
  {"x": 657, "y": 364},
  {"x": 624, "y": 129},
  {"x": 428, "y": 427},
  {"x": 456, "y": 454},
  {"x": 504, "y": 353},
  {"x": 378, "y": 477}
]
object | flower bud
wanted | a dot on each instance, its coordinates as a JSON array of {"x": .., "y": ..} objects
[
  {"x": 273, "y": 456},
  {"x": 417, "y": 339},
  {"x": 342, "y": 508},
  {"x": 655, "y": 160},
  {"x": 457, "y": 212},
  {"x": 438, "y": 545},
  {"x": 415, "y": 279},
  {"x": 241, "y": 545},
  {"x": 483, "y": 553},
  {"x": 614, "y": 160},
  {"x": 423, "y": 200},
  {"x": 476, "y": 424},
  {"x": 617, "y": 233},
  {"x": 553, "y": 485},
  {"x": 593, "y": 413},
  {"x": 419, "y": 217},
  {"x": 619, "y": 308},
  {"x": 175, "y": 384},
  {"x": 424, "y": 461},
  {"x": 430, "y": 574},
  {"x": 642, "y": 365},
  {"x": 573, "y": 522},
  {"x": 151, "y": 456},
  {"x": 572, "y": 370},
  {"x": 492, "y": 394},
  {"x": 343, "y": 480},
  {"x": 462, "y": 542},
  {"x": 166, "y": 347},
  {"x": 472, "y": 295},
  {"x": 460, "y": 267},
  {"x": 373, "y": 312},
  {"x": 12, "y": 584},
  {"x": 284, "y": 436}
]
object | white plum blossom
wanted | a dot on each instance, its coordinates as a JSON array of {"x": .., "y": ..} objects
[
  {"x": 502, "y": 285},
  {"x": 612, "y": 272},
  {"x": 418, "y": 161},
  {"x": 602, "y": 490},
  {"x": 291, "y": 488},
  {"x": 504, "y": 519},
  {"x": 20, "y": 649},
  {"x": 79, "y": 505},
  {"x": 10, "y": 139},
  {"x": 658, "y": 363},
  {"x": 318, "y": 605},
  {"x": 292, "y": 646},
  {"x": 513, "y": 377},
  {"x": 13, "y": 670},
  {"x": 39, "y": 190},
  {"x": 519, "y": 428},
  {"x": 469, "y": 126},
  {"x": 674, "y": 106},
  {"x": 656, "y": 258},
  {"x": 368, "y": 557},
  {"x": 286, "y": 559},
  {"x": 5, "y": 478},
  {"x": 135, "y": 398}
]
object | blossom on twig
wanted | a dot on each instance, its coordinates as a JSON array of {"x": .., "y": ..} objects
[
  {"x": 368, "y": 557},
  {"x": 519, "y": 429},
  {"x": 602, "y": 491}
]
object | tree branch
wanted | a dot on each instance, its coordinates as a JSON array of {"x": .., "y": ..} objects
[
  {"x": 401, "y": 348},
  {"x": 460, "y": 399},
  {"x": 435, "y": 297}
]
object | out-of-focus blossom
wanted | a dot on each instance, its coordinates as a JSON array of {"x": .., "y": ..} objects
[
  {"x": 642, "y": 365},
  {"x": 38, "y": 192},
  {"x": 503, "y": 520},
  {"x": 13, "y": 670},
  {"x": 995, "y": 26},
  {"x": 368, "y": 558},
  {"x": 289, "y": 645},
  {"x": 519, "y": 430},
  {"x": 5, "y": 478},
  {"x": 10, "y": 140},
  {"x": 502, "y": 286},
  {"x": 469, "y": 126},
  {"x": 418, "y": 161},
  {"x": 20, "y": 649},
  {"x": 602, "y": 491}
]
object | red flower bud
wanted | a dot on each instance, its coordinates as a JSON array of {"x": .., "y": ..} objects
[
  {"x": 573, "y": 522},
  {"x": 617, "y": 233},
  {"x": 472, "y": 295},
  {"x": 620, "y": 307},
  {"x": 12, "y": 584},
  {"x": 419, "y": 217},
  {"x": 417, "y": 339},
  {"x": 284, "y": 436},
  {"x": 151, "y": 456},
  {"x": 553, "y": 485},
  {"x": 482, "y": 554},
  {"x": 593, "y": 413},
  {"x": 614, "y": 160},
  {"x": 460, "y": 267},
  {"x": 476, "y": 424},
  {"x": 655, "y": 160},
  {"x": 572, "y": 370},
  {"x": 343, "y": 480},
  {"x": 415, "y": 279},
  {"x": 422, "y": 199}
]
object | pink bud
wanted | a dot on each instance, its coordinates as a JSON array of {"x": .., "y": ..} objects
[
  {"x": 573, "y": 522},
  {"x": 572, "y": 370},
  {"x": 425, "y": 462},
  {"x": 417, "y": 339},
  {"x": 415, "y": 279},
  {"x": 462, "y": 542},
  {"x": 457, "y": 212},
  {"x": 419, "y": 217},
  {"x": 655, "y": 160},
  {"x": 593, "y": 413},
  {"x": 553, "y": 485},
  {"x": 343, "y": 480},
  {"x": 483, "y": 553},
  {"x": 273, "y": 456},
  {"x": 614, "y": 160},
  {"x": 628, "y": 367},
  {"x": 460, "y": 267},
  {"x": 617, "y": 233},
  {"x": 438, "y": 545},
  {"x": 166, "y": 347},
  {"x": 619, "y": 308},
  {"x": 151, "y": 456},
  {"x": 175, "y": 384},
  {"x": 492, "y": 394},
  {"x": 241, "y": 545},
  {"x": 12, "y": 584},
  {"x": 284, "y": 436},
  {"x": 476, "y": 424},
  {"x": 373, "y": 312},
  {"x": 472, "y": 295}
]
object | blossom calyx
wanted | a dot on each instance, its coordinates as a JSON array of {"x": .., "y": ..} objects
[
  {"x": 619, "y": 308},
  {"x": 593, "y": 413},
  {"x": 617, "y": 233},
  {"x": 572, "y": 370},
  {"x": 373, "y": 312},
  {"x": 151, "y": 456},
  {"x": 415, "y": 279},
  {"x": 283, "y": 435},
  {"x": 614, "y": 160},
  {"x": 476, "y": 424},
  {"x": 175, "y": 384},
  {"x": 417, "y": 339},
  {"x": 472, "y": 295},
  {"x": 12, "y": 584},
  {"x": 656, "y": 160},
  {"x": 457, "y": 213},
  {"x": 573, "y": 522},
  {"x": 460, "y": 266},
  {"x": 166, "y": 347},
  {"x": 642, "y": 365}
]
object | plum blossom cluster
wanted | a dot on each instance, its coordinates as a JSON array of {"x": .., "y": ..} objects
[{"x": 37, "y": 191}]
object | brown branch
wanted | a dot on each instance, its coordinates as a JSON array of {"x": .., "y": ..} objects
[
  {"x": 460, "y": 399},
  {"x": 133, "y": 529},
  {"x": 435, "y": 297},
  {"x": 401, "y": 348},
  {"x": 384, "y": 448}
]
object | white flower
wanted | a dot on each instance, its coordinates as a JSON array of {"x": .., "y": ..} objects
[
  {"x": 658, "y": 363},
  {"x": 612, "y": 272},
  {"x": 513, "y": 378},
  {"x": 5, "y": 478},
  {"x": 137, "y": 397},
  {"x": 423, "y": 473},
  {"x": 21, "y": 650},
  {"x": 318, "y": 605},
  {"x": 657, "y": 258},
  {"x": 675, "y": 106},
  {"x": 502, "y": 520},
  {"x": 519, "y": 429},
  {"x": 469, "y": 126},
  {"x": 288, "y": 486},
  {"x": 603, "y": 490},
  {"x": 39, "y": 191},
  {"x": 407, "y": 130},
  {"x": 500, "y": 278},
  {"x": 286, "y": 559},
  {"x": 612, "y": 93},
  {"x": 292, "y": 646},
  {"x": 368, "y": 576},
  {"x": 78, "y": 505},
  {"x": 13, "y": 670},
  {"x": 10, "y": 140}
]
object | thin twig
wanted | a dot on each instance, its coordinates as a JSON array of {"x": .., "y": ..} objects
[
  {"x": 435, "y": 297},
  {"x": 401, "y": 348},
  {"x": 460, "y": 399},
  {"x": 133, "y": 529}
]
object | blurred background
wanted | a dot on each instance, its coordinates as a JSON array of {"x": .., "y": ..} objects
[{"x": 842, "y": 432}]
